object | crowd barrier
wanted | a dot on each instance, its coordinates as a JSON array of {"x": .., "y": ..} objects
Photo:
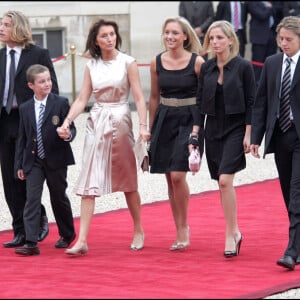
[{"x": 63, "y": 59}]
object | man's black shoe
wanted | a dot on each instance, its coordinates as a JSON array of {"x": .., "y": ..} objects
[
  {"x": 44, "y": 228},
  {"x": 28, "y": 250},
  {"x": 287, "y": 262},
  {"x": 19, "y": 240},
  {"x": 64, "y": 243}
]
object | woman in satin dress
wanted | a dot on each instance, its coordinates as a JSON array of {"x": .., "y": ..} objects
[{"x": 108, "y": 163}]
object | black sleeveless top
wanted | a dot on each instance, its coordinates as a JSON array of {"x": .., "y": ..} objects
[{"x": 177, "y": 83}]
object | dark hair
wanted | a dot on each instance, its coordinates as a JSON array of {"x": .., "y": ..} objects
[
  {"x": 34, "y": 70},
  {"x": 93, "y": 49}
]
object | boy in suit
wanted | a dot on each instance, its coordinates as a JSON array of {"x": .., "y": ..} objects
[{"x": 44, "y": 153}]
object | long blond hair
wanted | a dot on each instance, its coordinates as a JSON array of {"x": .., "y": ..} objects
[
  {"x": 21, "y": 31},
  {"x": 192, "y": 42}
]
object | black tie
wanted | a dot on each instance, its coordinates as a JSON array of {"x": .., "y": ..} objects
[
  {"x": 12, "y": 73},
  {"x": 284, "y": 112}
]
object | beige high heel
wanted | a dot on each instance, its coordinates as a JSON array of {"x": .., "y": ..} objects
[
  {"x": 138, "y": 244},
  {"x": 173, "y": 246},
  {"x": 77, "y": 251},
  {"x": 181, "y": 245}
]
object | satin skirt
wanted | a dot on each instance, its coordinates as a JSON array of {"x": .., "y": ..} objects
[{"x": 108, "y": 159}]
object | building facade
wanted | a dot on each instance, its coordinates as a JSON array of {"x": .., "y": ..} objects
[{"x": 63, "y": 26}]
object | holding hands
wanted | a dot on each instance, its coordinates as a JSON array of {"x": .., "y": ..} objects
[{"x": 64, "y": 131}]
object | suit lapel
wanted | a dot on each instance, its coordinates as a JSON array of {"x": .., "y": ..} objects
[
  {"x": 296, "y": 76},
  {"x": 3, "y": 63},
  {"x": 49, "y": 106},
  {"x": 278, "y": 72},
  {"x": 25, "y": 56},
  {"x": 31, "y": 112}
]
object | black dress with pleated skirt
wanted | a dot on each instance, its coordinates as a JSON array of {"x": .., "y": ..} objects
[
  {"x": 172, "y": 125},
  {"x": 224, "y": 135}
]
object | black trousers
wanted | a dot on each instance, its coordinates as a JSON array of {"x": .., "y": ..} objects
[
  {"x": 240, "y": 35},
  {"x": 287, "y": 159},
  {"x": 261, "y": 52},
  {"x": 57, "y": 185}
]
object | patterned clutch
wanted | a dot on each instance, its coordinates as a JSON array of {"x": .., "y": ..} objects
[{"x": 194, "y": 161}]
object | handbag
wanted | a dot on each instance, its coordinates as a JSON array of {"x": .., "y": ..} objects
[
  {"x": 194, "y": 161},
  {"x": 141, "y": 154}
]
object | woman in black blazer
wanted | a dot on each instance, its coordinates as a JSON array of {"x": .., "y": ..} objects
[{"x": 225, "y": 96}]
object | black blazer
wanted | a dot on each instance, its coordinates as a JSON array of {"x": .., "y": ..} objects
[
  {"x": 238, "y": 87},
  {"x": 267, "y": 101},
  {"x": 58, "y": 152},
  {"x": 29, "y": 56}
]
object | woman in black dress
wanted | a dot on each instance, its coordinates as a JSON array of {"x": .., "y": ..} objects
[
  {"x": 225, "y": 96},
  {"x": 173, "y": 116}
]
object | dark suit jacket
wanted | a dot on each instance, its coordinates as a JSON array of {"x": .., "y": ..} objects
[
  {"x": 267, "y": 100},
  {"x": 200, "y": 13},
  {"x": 29, "y": 56},
  {"x": 224, "y": 13},
  {"x": 58, "y": 152},
  {"x": 259, "y": 23}
]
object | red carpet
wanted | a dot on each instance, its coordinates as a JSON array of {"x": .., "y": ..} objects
[{"x": 111, "y": 270}]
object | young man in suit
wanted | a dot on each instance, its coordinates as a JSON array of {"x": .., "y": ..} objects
[
  {"x": 276, "y": 115},
  {"x": 15, "y": 34},
  {"x": 44, "y": 153}
]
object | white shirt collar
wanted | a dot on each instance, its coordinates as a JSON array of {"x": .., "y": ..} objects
[
  {"x": 18, "y": 49},
  {"x": 294, "y": 57},
  {"x": 39, "y": 102}
]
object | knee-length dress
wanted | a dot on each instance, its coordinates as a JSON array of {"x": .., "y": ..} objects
[
  {"x": 173, "y": 124},
  {"x": 224, "y": 136},
  {"x": 108, "y": 160}
]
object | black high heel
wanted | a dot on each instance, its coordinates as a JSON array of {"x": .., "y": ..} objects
[{"x": 236, "y": 252}]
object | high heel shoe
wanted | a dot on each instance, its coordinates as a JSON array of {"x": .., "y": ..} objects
[
  {"x": 181, "y": 245},
  {"x": 138, "y": 242},
  {"x": 236, "y": 252},
  {"x": 77, "y": 251},
  {"x": 173, "y": 246}
]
